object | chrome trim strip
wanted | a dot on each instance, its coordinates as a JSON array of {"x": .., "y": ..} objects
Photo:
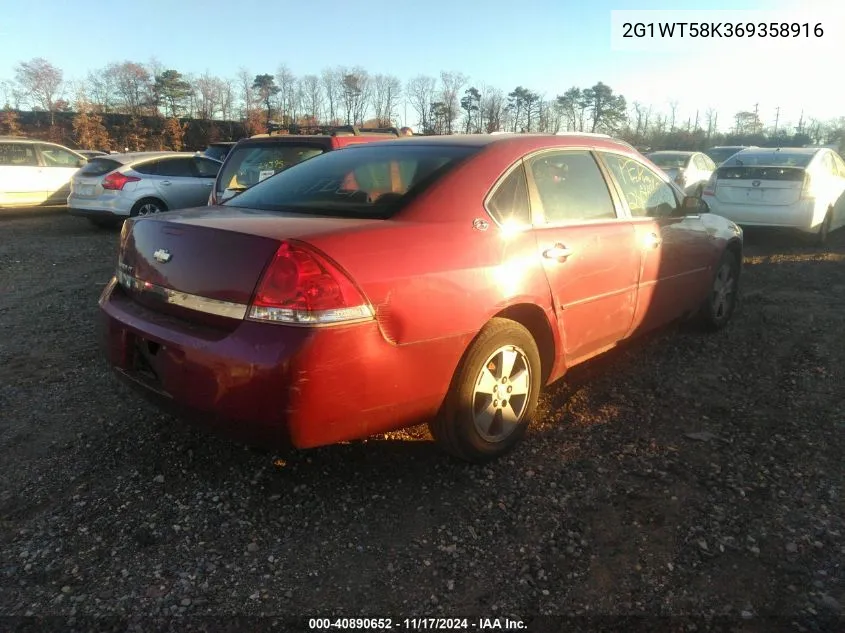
[{"x": 183, "y": 299}]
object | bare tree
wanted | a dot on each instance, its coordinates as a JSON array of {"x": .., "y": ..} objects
[
  {"x": 673, "y": 108},
  {"x": 41, "y": 82},
  {"x": 355, "y": 91},
  {"x": 208, "y": 97},
  {"x": 286, "y": 82},
  {"x": 331, "y": 80},
  {"x": 420, "y": 92},
  {"x": 245, "y": 79},
  {"x": 312, "y": 97},
  {"x": 133, "y": 87},
  {"x": 492, "y": 109},
  {"x": 386, "y": 90},
  {"x": 451, "y": 84}
]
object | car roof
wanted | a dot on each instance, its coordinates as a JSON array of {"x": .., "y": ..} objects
[
  {"x": 796, "y": 151},
  {"x": 529, "y": 141},
  {"x": 132, "y": 157},
  {"x": 667, "y": 152}
]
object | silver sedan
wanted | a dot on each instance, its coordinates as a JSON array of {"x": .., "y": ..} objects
[{"x": 112, "y": 188}]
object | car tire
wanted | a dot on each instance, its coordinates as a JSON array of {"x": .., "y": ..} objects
[
  {"x": 723, "y": 296},
  {"x": 824, "y": 229},
  {"x": 475, "y": 424},
  {"x": 147, "y": 206}
]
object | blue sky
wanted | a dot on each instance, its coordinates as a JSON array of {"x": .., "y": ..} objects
[{"x": 545, "y": 45}]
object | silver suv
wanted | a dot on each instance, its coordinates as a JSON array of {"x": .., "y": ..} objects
[
  {"x": 35, "y": 172},
  {"x": 112, "y": 188}
]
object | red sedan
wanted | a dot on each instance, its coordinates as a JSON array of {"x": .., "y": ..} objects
[{"x": 429, "y": 279}]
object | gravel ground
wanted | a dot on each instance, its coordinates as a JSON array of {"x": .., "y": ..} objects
[{"x": 685, "y": 475}]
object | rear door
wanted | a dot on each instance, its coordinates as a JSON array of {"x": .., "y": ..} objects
[
  {"x": 19, "y": 174},
  {"x": 677, "y": 250},
  {"x": 178, "y": 184},
  {"x": 59, "y": 167},
  {"x": 589, "y": 251}
]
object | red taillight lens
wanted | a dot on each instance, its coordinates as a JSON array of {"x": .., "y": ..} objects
[
  {"x": 300, "y": 286},
  {"x": 115, "y": 181},
  {"x": 710, "y": 187}
]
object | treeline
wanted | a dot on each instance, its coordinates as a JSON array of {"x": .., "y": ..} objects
[{"x": 149, "y": 106}]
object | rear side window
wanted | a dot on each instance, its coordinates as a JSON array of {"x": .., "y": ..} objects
[
  {"x": 248, "y": 165},
  {"x": 368, "y": 181},
  {"x": 509, "y": 202},
  {"x": 99, "y": 167},
  {"x": 18, "y": 155},
  {"x": 149, "y": 168},
  {"x": 55, "y": 156},
  {"x": 176, "y": 168},
  {"x": 206, "y": 168},
  {"x": 571, "y": 187}
]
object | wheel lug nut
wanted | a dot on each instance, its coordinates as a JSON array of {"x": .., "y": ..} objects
[
  {"x": 495, "y": 403},
  {"x": 495, "y": 387},
  {"x": 504, "y": 403},
  {"x": 510, "y": 389}
]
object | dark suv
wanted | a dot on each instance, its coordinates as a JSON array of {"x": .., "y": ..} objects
[{"x": 256, "y": 158}]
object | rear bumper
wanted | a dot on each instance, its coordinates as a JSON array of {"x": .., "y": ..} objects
[
  {"x": 798, "y": 216},
  {"x": 277, "y": 385},
  {"x": 112, "y": 206}
]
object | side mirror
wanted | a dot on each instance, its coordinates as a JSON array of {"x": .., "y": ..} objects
[{"x": 694, "y": 205}]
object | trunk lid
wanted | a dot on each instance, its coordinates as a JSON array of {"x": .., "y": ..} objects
[
  {"x": 752, "y": 185},
  {"x": 216, "y": 253}
]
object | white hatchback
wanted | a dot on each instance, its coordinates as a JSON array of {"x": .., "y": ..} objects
[
  {"x": 795, "y": 188},
  {"x": 35, "y": 173}
]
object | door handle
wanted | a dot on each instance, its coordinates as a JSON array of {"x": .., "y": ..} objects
[
  {"x": 558, "y": 251},
  {"x": 165, "y": 182},
  {"x": 652, "y": 240}
]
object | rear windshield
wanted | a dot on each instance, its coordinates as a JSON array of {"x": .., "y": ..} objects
[
  {"x": 217, "y": 152},
  {"x": 250, "y": 164},
  {"x": 99, "y": 167},
  {"x": 768, "y": 159},
  {"x": 791, "y": 174},
  {"x": 669, "y": 161},
  {"x": 721, "y": 154},
  {"x": 367, "y": 181}
]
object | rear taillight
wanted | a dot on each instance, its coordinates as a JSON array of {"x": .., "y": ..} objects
[
  {"x": 302, "y": 287},
  {"x": 211, "y": 200},
  {"x": 115, "y": 181},
  {"x": 807, "y": 192},
  {"x": 680, "y": 178},
  {"x": 710, "y": 187}
]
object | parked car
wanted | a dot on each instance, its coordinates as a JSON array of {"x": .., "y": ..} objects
[
  {"x": 442, "y": 279},
  {"x": 261, "y": 156},
  {"x": 721, "y": 153},
  {"x": 112, "y": 188},
  {"x": 34, "y": 172},
  {"x": 689, "y": 170},
  {"x": 91, "y": 153},
  {"x": 796, "y": 188},
  {"x": 218, "y": 151}
]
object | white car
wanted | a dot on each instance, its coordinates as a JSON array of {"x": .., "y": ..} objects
[
  {"x": 689, "y": 170},
  {"x": 35, "y": 173},
  {"x": 796, "y": 188}
]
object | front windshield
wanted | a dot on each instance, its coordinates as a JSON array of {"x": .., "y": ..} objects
[
  {"x": 669, "y": 161},
  {"x": 363, "y": 181}
]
